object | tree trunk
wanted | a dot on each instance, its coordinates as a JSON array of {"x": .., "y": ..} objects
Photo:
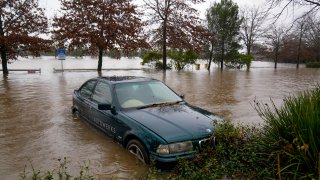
[
  {"x": 100, "y": 59},
  {"x": 299, "y": 48},
  {"x": 164, "y": 45},
  {"x": 318, "y": 54},
  {"x": 221, "y": 64},
  {"x": 276, "y": 59},
  {"x": 249, "y": 48},
  {"x": 222, "y": 54},
  {"x": 4, "y": 60},
  {"x": 210, "y": 58},
  {"x": 3, "y": 52}
]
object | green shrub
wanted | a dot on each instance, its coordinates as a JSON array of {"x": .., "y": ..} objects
[
  {"x": 287, "y": 146},
  {"x": 313, "y": 64},
  {"x": 181, "y": 58},
  {"x": 151, "y": 57},
  {"x": 246, "y": 59},
  {"x": 238, "y": 60},
  {"x": 291, "y": 135},
  {"x": 235, "y": 156}
]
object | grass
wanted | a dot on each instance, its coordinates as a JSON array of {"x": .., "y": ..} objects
[
  {"x": 61, "y": 173},
  {"x": 290, "y": 137},
  {"x": 286, "y": 147},
  {"x": 313, "y": 64},
  {"x": 236, "y": 156}
]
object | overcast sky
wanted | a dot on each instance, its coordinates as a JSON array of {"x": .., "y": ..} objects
[{"x": 52, "y": 6}]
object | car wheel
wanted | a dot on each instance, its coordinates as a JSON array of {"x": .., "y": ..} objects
[
  {"x": 138, "y": 150},
  {"x": 75, "y": 115}
]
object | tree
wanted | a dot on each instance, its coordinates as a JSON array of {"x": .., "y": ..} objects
[
  {"x": 251, "y": 27},
  {"x": 176, "y": 25},
  {"x": 100, "y": 25},
  {"x": 289, "y": 49},
  {"x": 276, "y": 41},
  {"x": 223, "y": 20},
  {"x": 313, "y": 36},
  {"x": 311, "y": 5},
  {"x": 301, "y": 27},
  {"x": 21, "y": 21}
]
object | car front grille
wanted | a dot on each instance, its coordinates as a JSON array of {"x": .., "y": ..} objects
[{"x": 208, "y": 142}]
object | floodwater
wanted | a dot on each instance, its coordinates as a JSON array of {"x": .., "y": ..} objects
[{"x": 36, "y": 124}]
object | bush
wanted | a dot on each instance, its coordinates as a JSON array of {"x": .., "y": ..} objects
[
  {"x": 287, "y": 146},
  {"x": 238, "y": 60},
  {"x": 181, "y": 58},
  {"x": 291, "y": 135},
  {"x": 313, "y": 64},
  {"x": 235, "y": 156},
  {"x": 151, "y": 58}
]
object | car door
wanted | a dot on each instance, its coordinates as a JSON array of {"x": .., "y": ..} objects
[
  {"x": 84, "y": 99},
  {"x": 103, "y": 119}
]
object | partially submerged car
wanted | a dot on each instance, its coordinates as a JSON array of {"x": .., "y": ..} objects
[{"x": 145, "y": 116}]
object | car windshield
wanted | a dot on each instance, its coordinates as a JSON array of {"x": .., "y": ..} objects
[{"x": 143, "y": 94}]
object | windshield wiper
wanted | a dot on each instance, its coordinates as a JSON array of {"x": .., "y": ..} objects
[{"x": 159, "y": 104}]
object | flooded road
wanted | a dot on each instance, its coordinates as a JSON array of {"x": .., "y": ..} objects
[{"x": 36, "y": 124}]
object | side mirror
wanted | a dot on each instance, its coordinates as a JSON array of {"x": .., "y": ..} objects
[{"x": 104, "y": 106}]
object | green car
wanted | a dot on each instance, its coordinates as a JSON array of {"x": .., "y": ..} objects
[{"x": 144, "y": 115}]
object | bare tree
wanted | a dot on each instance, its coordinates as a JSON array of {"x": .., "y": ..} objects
[
  {"x": 99, "y": 24},
  {"x": 301, "y": 28},
  {"x": 275, "y": 36},
  {"x": 311, "y": 5},
  {"x": 21, "y": 22},
  {"x": 176, "y": 24},
  {"x": 251, "y": 27},
  {"x": 313, "y": 36}
]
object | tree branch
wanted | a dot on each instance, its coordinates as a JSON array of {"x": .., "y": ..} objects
[{"x": 313, "y": 2}]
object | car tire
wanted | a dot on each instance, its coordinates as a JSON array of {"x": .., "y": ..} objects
[
  {"x": 137, "y": 149},
  {"x": 75, "y": 115}
]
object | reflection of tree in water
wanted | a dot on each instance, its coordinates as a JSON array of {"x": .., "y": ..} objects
[
  {"x": 5, "y": 98},
  {"x": 19, "y": 126}
]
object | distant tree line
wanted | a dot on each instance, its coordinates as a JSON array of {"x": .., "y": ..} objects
[
  {"x": 298, "y": 44},
  {"x": 172, "y": 28}
]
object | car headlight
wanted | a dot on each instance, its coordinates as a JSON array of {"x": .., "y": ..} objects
[{"x": 175, "y": 148}]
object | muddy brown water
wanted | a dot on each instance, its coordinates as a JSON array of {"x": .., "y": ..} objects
[{"x": 36, "y": 124}]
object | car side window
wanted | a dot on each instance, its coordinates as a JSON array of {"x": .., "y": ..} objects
[
  {"x": 86, "y": 90},
  {"x": 102, "y": 93}
]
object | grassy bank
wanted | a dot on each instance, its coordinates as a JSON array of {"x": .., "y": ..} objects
[
  {"x": 236, "y": 155},
  {"x": 286, "y": 147},
  {"x": 313, "y": 64}
]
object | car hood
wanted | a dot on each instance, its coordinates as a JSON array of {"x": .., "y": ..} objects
[{"x": 174, "y": 123}]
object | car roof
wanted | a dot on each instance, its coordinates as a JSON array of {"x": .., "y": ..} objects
[{"x": 124, "y": 79}]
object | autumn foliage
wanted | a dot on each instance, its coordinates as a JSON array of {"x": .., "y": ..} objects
[
  {"x": 21, "y": 22},
  {"x": 175, "y": 24},
  {"x": 99, "y": 25}
]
